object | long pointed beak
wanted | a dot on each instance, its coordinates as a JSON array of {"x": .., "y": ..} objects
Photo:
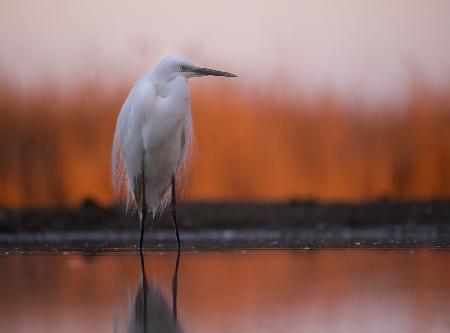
[{"x": 206, "y": 71}]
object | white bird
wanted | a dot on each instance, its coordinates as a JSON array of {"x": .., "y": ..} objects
[{"x": 153, "y": 135}]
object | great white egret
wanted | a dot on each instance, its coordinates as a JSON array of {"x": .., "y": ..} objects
[{"x": 153, "y": 134}]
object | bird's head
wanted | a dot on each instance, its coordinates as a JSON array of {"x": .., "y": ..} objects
[{"x": 174, "y": 66}]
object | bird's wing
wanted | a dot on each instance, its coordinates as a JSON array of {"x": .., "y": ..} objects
[
  {"x": 117, "y": 163},
  {"x": 128, "y": 147},
  {"x": 187, "y": 153}
]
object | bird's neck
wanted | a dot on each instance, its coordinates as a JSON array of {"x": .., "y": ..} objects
[{"x": 164, "y": 86}]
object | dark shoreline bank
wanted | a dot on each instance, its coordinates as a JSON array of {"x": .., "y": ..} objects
[{"x": 310, "y": 224}]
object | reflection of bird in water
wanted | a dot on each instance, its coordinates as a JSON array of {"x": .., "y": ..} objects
[
  {"x": 153, "y": 133},
  {"x": 151, "y": 312}
]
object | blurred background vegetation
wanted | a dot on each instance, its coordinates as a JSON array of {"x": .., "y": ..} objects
[
  {"x": 342, "y": 101},
  {"x": 55, "y": 147}
]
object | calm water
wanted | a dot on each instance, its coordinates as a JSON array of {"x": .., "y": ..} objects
[{"x": 229, "y": 291}]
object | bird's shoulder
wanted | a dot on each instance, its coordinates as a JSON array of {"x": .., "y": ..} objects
[
  {"x": 144, "y": 88},
  {"x": 141, "y": 95}
]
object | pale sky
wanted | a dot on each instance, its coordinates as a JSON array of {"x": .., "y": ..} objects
[{"x": 353, "y": 47}]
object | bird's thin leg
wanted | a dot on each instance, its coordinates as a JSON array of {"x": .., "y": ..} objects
[
  {"x": 142, "y": 233},
  {"x": 143, "y": 214},
  {"x": 175, "y": 286},
  {"x": 174, "y": 212}
]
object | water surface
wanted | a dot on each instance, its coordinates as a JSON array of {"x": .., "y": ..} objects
[{"x": 227, "y": 291}]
